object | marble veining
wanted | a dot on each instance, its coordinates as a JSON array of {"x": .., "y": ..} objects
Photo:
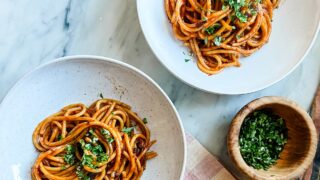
[{"x": 36, "y": 31}]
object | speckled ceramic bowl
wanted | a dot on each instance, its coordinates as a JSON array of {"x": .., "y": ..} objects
[{"x": 81, "y": 79}]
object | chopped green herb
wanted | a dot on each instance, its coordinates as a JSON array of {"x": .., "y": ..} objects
[
  {"x": 186, "y": 60},
  {"x": 70, "y": 149},
  {"x": 87, "y": 160},
  {"x": 204, "y": 19},
  {"x": 127, "y": 130},
  {"x": 69, "y": 156},
  {"x": 145, "y": 120},
  {"x": 107, "y": 136},
  {"x": 238, "y": 36},
  {"x": 101, "y": 95},
  {"x": 217, "y": 40},
  {"x": 224, "y": 7},
  {"x": 91, "y": 131},
  {"x": 88, "y": 147},
  {"x": 212, "y": 29},
  {"x": 233, "y": 17},
  {"x": 81, "y": 175},
  {"x": 59, "y": 137},
  {"x": 97, "y": 149},
  {"x": 102, "y": 157},
  {"x": 238, "y": 8},
  {"x": 241, "y": 17},
  {"x": 110, "y": 140},
  {"x": 95, "y": 139},
  {"x": 262, "y": 138},
  {"x": 63, "y": 167},
  {"x": 105, "y": 132}
]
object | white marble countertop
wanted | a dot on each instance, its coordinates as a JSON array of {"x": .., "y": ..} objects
[{"x": 36, "y": 31}]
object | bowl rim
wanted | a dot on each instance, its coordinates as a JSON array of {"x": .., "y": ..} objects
[
  {"x": 234, "y": 131},
  {"x": 117, "y": 62}
]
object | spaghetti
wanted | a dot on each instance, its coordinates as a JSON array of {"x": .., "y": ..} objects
[
  {"x": 105, "y": 141},
  {"x": 218, "y": 32}
]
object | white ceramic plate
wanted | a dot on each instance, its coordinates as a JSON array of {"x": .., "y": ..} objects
[
  {"x": 295, "y": 27},
  {"x": 81, "y": 79}
]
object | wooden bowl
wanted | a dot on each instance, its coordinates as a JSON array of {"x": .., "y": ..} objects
[{"x": 299, "y": 150}]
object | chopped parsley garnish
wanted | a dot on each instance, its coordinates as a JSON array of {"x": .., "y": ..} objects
[
  {"x": 95, "y": 139},
  {"x": 263, "y": 136},
  {"x": 91, "y": 131},
  {"x": 233, "y": 17},
  {"x": 59, "y": 137},
  {"x": 87, "y": 160},
  {"x": 101, "y": 95},
  {"x": 241, "y": 17},
  {"x": 212, "y": 29},
  {"x": 105, "y": 132},
  {"x": 204, "y": 19},
  {"x": 88, "y": 146},
  {"x": 97, "y": 150},
  {"x": 110, "y": 140},
  {"x": 81, "y": 175},
  {"x": 238, "y": 36},
  {"x": 70, "y": 149},
  {"x": 237, "y": 6},
  {"x": 224, "y": 7},
  {"x": 189, "y": 54},
  {"x": 69, "y": 156},
  {"x": 102, "y": 157},
  {"x": 217, "y": 40},
  {"x": 127, "y": 130},
  {"x": 145, "y": 120},
  {"x": 107, "y": 135}
]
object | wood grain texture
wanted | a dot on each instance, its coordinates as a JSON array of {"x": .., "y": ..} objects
[
  {"x": 313, "y": 170},
  {"x": 299, "y": 151},
  {"x": 201, "y": 165}
]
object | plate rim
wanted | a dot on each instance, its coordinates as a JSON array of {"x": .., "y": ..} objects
[
  {"x": 281, "y": 77},
  {"x": 117, "y": 62}
]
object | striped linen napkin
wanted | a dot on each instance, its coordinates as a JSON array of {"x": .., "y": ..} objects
[{"x": 201, "y": 165}]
